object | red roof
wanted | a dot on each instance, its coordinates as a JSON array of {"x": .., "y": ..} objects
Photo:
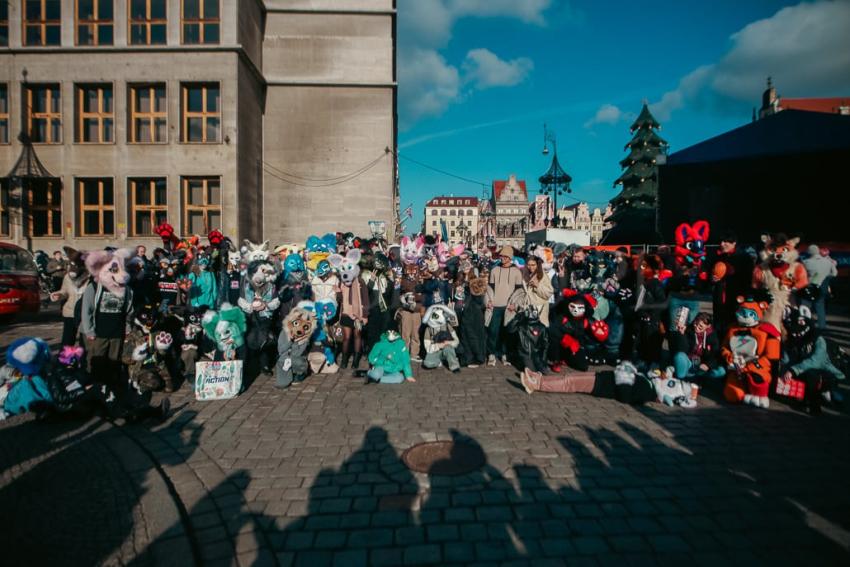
[
  {"x": 499, "y": 186},
  {"x": 828, "y": 105},
  {"x": 456, "y": 202}
]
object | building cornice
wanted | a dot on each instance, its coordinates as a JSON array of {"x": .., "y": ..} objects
[
  {"x": 282, "y": 83},
  {"x": 69, "y": 50},
  {"x": 331, "y": 12}
]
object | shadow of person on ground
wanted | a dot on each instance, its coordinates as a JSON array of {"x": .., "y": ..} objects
[
  {"x": 76, "y": 502},
  {"x": 713, "y": 495},
  {"x": 365, "y": 504}
]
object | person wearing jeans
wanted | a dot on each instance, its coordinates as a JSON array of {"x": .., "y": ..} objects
[
  {"x": 390, "y": 361},
  {"x": 695, "y": 349},
  {"x": 504, "y": 280},
  {"x": 820, "y": 269}
]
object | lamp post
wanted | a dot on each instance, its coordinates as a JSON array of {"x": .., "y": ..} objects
[{"x": 555, "y": 181}]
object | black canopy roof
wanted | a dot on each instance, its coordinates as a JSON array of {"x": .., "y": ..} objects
[
  {"x": 555, "y": 175},
  {"x": 786, "y": 132}
]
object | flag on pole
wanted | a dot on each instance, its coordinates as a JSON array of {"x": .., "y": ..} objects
[
  {"x": 408, "y": 212},
  {"x": 444, "y": 231}
]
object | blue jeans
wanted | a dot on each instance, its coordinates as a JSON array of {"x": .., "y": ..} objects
[
  {"x": 377, "y": 373},
  {"x": 685, "y": 368},
  {"x": 436, "y": 359}
]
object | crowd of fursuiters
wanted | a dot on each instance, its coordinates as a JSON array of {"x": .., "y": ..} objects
[{"x": 572, "y": 320}]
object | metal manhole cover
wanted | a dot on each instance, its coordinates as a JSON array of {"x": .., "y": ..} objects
[{"x": 448, "y": 458}]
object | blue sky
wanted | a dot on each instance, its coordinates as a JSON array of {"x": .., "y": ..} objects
[{"x": 478, "y": 78}]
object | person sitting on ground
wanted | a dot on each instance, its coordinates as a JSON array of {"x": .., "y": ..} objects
[
  {"x": 390, "y": 361},
  {"x": 696, "y": 349},
  {"x": 441, "y": 340}
]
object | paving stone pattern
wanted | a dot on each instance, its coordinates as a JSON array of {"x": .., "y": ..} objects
[{"x": 312, "y": 476}]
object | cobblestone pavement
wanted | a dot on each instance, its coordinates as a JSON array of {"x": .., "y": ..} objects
[{"x": 312, "y": 476}]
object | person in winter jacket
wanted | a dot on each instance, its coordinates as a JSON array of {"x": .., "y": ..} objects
[
  {"x": 805, "y": 357},
  {"x": 821, "y": 269},
  {"x": 390, "y": 361},
  {"x": 538, "y": 287},
  {"x": 57, "y": 267},
  {"x": 73, "y": 285},
  {"x": 696, "y": 350},
  {"x": 505, "y": 279},
  {"x": 731, "y": 273}
]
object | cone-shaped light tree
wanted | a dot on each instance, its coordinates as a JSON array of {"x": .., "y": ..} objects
[{"x": 634, "y": 207}]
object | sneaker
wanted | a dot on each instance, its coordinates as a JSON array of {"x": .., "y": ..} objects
[
  {"x": 528, "y": 382},
  {"x": 456, "y": 371},
  {"x": 491, "y": 360},
  {"x": 505, "y": 361},
  {"x": 415, "y": 359},
  {"x": 472, "y": 366}
]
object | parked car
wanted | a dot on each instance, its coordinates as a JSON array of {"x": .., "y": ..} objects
[{"x": 19, "y": 287}]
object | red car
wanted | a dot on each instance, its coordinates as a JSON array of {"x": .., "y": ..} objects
[{"x": 19, "y": 289}]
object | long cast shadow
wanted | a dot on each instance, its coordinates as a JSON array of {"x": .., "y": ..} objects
[{"x": 69, "y": 496}]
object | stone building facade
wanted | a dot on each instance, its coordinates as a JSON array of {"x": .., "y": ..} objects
[
  {"x": 580, "y": 217},
  {"x": 460, "y": 216},
  {"x": 267, "y": 119},
  {"x": 510, "y": 204}
]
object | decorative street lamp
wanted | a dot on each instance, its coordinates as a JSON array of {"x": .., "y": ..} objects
[{"x": 555, "y": 181}]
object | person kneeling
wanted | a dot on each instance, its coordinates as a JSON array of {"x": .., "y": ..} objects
[
  {"x": 293, "y": 344},
  {"x": 440, "y": 338}
]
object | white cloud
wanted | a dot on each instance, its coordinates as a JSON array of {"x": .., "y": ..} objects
[
  {"x": 528, "y": 11},
  {"x": 430, "y": 86},
  {"x": 607, "y": 114},
  {"x": 428, "y": 83},
  {"x": 805, "y": 48},
  {"x": 484, "y": 69}
]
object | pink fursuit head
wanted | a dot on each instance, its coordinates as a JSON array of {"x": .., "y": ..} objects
[
  {"x": 70, "y": 355},
  {"x": 108, "y": 269}
]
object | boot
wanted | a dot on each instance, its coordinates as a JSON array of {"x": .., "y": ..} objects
[
  {"x": 356, "y": 362},
  {"x": 344, "y": 362}
]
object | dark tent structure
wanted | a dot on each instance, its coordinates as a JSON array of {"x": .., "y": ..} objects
[{"x": 788, "y": 172}]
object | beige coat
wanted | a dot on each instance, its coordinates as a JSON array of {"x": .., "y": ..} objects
[
  {"x": 539, "y": 296},
  {"x": 70, "y": 294}
]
